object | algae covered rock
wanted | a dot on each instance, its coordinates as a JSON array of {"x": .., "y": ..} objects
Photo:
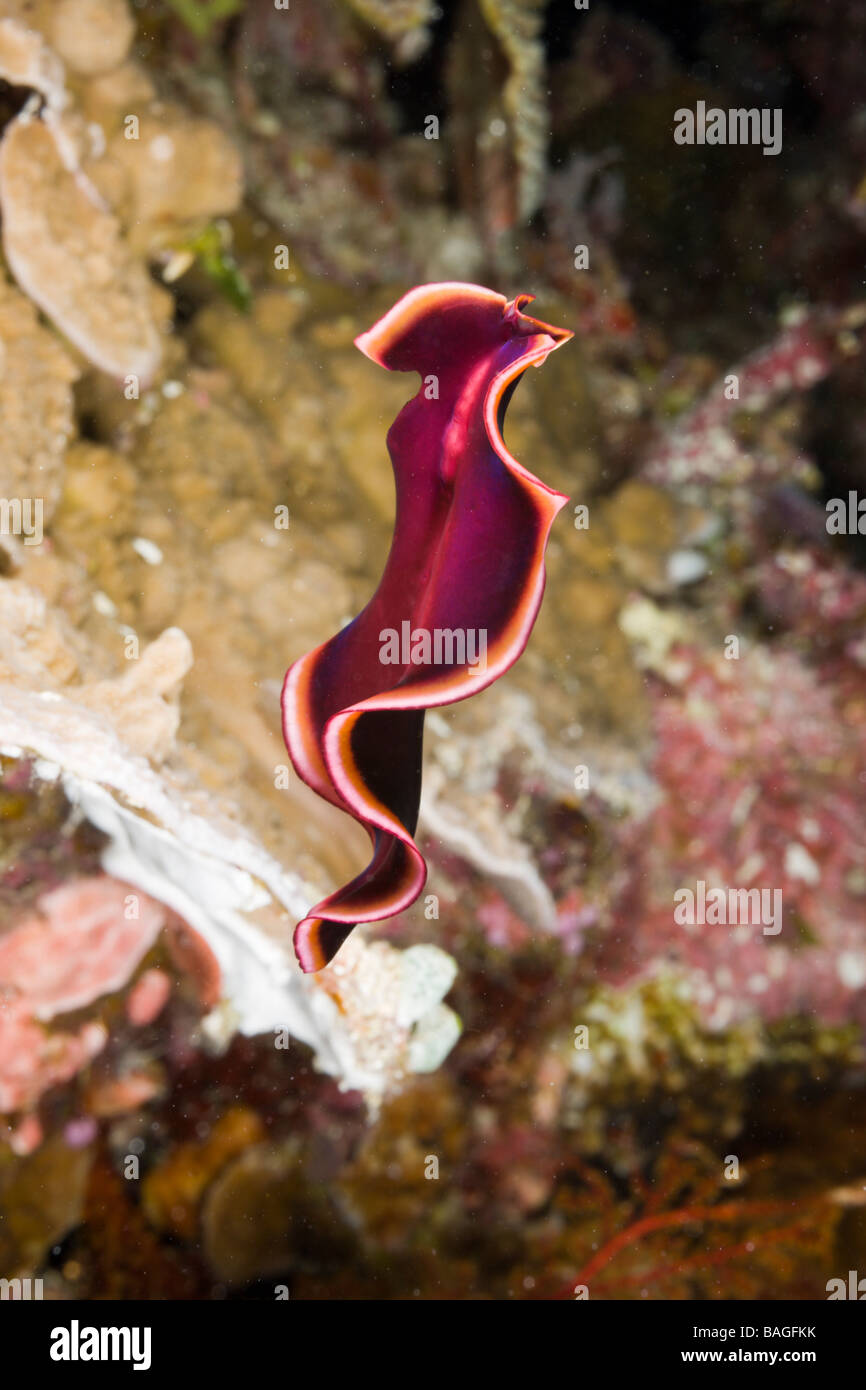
[{"x": 42, "y": 1198}]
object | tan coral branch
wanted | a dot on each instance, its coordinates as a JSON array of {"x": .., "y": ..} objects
[{"x": 66, "y": 251}]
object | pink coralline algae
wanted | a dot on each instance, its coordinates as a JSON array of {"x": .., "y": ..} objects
[
  {"x": 761, "y": 764},
  {"x": 824, "y": 606},
  {"x": 701, "y": 448},
  {"x": 148, "y": 997},
  {"x": 32, "y": 1060},
  {"x": 84, "y": 941}
]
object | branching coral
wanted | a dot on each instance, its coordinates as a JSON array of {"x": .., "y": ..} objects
[
  {"x": 101, "y": 298},
  {"x": 671, "y": 1234},
  {"x": 404, "y": 22},
  {"x": 83, "y": 201},
  {"x": 517, "y": 25},
  {"x": 702, "y": 447},
  {"x": 62, "y": 243}
]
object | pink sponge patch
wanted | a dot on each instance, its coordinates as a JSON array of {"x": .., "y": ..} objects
[
  {"x": 148, "y": 997},
  {"x": 84, "y": 940},
  {"x": 32, "y": 1060}
]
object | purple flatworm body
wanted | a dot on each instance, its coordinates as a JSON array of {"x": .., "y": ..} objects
[{"x": 460, "y": 592}]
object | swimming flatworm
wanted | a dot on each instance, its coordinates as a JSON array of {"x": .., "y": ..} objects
[{"x": 465, "y": 574}]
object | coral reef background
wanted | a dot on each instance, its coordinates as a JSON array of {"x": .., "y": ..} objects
[{"x": 536, "y": 1079}]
